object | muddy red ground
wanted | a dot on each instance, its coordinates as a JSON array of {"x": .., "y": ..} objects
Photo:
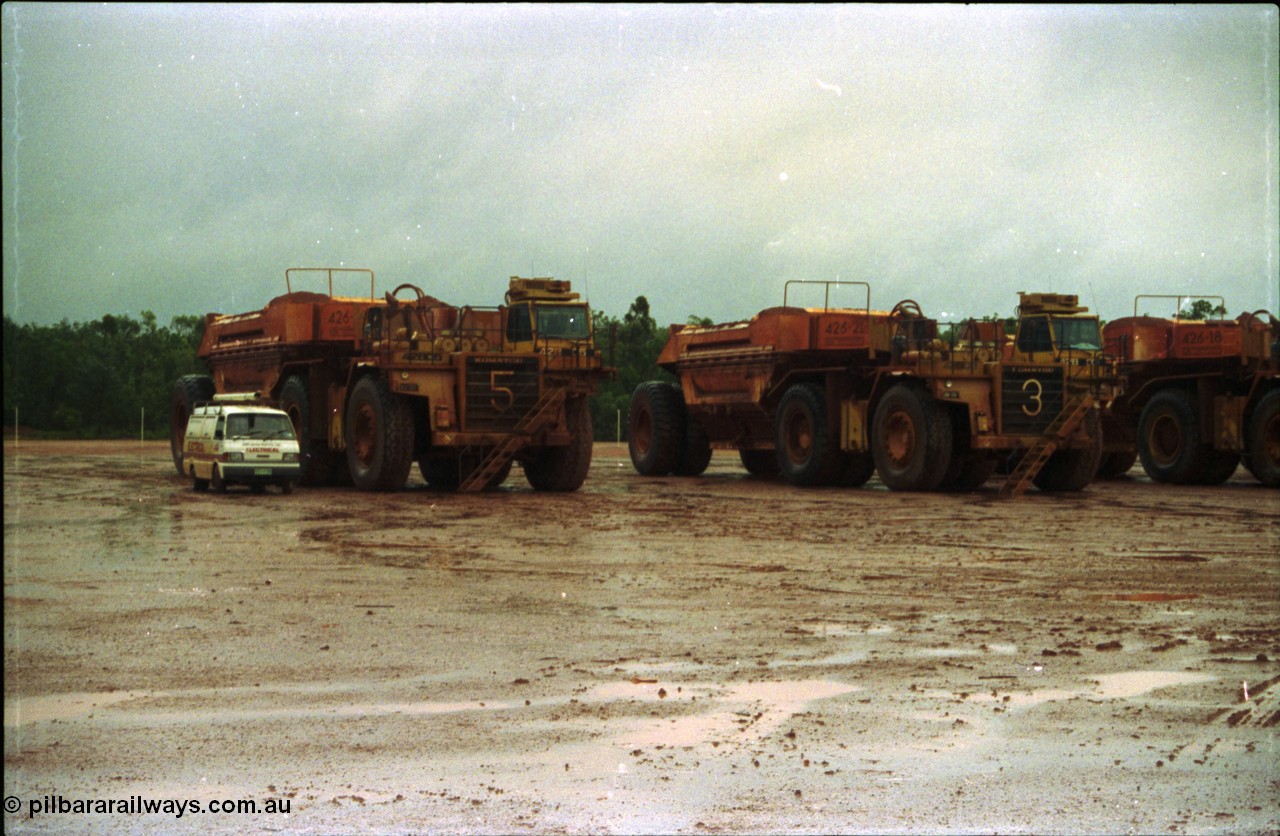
[{"x": 709, "y": 655}]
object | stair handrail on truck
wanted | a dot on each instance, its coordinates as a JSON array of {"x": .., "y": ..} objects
[
  {"x": 1198, "y": 397},
  {"x": 825, "y": 395},
  {"x": 374, "y": 384}
]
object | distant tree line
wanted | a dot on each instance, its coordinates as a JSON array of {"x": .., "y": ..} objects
[
  {"x": 109, "y": 378},
  {"x": 113, "y": 377}
]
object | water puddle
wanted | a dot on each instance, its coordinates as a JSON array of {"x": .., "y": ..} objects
[
  {"x": 1135, "y": 683},
  {"x": 764, "y": 707},
  {"x": 1154, "y": 597},
  {"x": 19, "y": 711},
  {"x": 1113, "y": 686}
]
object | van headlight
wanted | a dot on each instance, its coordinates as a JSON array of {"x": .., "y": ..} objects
[
  {"x": 233, "y": 457},
  {"x": 291, "y": 457}
]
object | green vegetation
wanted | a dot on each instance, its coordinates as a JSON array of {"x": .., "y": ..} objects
[
  {"x": 1202, "y": 309},
  {"x": 98, "y": 379},
  {"x": 631, "y": 345}
]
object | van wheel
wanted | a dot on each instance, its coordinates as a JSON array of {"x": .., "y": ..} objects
[
  {"x": 218, "y": 485},
  {"x": 286, "y": 487},
  {"x": 197, "y": 484}
]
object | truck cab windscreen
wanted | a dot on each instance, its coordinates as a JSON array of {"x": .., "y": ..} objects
[
  {"x": 563, "y": 322},
  {"x": 1077, "y": 334}
]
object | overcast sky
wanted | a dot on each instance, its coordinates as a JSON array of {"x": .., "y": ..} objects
[{"x": 179, "y": 158}]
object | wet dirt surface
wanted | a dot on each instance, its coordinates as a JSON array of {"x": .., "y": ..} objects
[{"x": 708, "y": 655}]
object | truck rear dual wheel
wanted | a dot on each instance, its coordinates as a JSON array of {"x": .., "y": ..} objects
[
  {"x": 808, "y": 451},
  {"x": 662, "y": 437},
  {"x": 1170, "y": 447},
  {"x": 762, "y": 463},
  {"x": 319, "y": 463},
  {"x": 1263, "y": 442},
  {"x": 911, "y": 439},
  {"x": 1115, "y": 465},
  {"x": 188, "y": 391},
  {"x": 654, "y": 428},
  {"x": 379, "y": 436}
]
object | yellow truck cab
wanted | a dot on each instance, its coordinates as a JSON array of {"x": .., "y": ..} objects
[{"x": 240, "y": 443}]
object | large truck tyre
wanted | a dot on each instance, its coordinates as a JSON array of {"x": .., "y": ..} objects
[
  {"x": 655, "y": 428},
  {"x": 1218, "y": 467},
  {"x": 912, "y": 439},
  {"x": 379, "y": 436},
  {"x": 318, "y": 461},
  {"x": 763, "y": 463},
  {"x": 1115, "y": 465},
  {"x": 807, "y": 448},
  {"x": 1263, "y": 442},
  {"x": 969, "y": 470},
  {"x": 188, "y": 391},
  {"x": 564, "y": 469},
  {"x": 857, "y": 470},
  {"x": 446, "y": 474},
  {"x": 695, "y": 449},
  {"x": 1073, "y": 470},
  {"x": 1169, "y": 438}
]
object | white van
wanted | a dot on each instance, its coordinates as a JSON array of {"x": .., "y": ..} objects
[{"x": 243, "y": 444}]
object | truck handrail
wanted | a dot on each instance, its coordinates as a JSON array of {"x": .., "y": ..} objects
[
  {"x": 1178, "y": 315},
  {"x": 329, "y": 271},
  {"x": 826, "y": 301}
]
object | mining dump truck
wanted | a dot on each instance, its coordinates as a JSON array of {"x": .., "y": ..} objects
[
  {"x": 1198, "y": 397},
  {"x": 373, "y": 385},
  {"x": 830, "y": 395}
]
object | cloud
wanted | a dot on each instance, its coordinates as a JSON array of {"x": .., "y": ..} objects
[{"x": 174, "y": 158}]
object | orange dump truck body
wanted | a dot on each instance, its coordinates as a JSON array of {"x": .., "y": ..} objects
[
  {"x": 1198, "y": 397},
  {"x": 375, "y": 384},
  {"x": 872, "y": 383}
]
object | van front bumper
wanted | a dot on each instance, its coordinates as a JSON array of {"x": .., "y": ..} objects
[{"x": 266, "y": 473}]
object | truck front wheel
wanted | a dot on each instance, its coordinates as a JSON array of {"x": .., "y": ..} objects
[
  {"x": 808, "y": 451},
  {"x": 911, "y": 439},
  {"x": 379, "y": 436},
  {"x": 1073, "y": 470},
  {"x": 1264, "y": 440},
  {"x": 564, "y": 468}
]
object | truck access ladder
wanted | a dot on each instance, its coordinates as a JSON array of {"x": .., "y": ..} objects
[
  {"x": 498, "y": 457},
  {"x": 1057, "y": 431}
]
